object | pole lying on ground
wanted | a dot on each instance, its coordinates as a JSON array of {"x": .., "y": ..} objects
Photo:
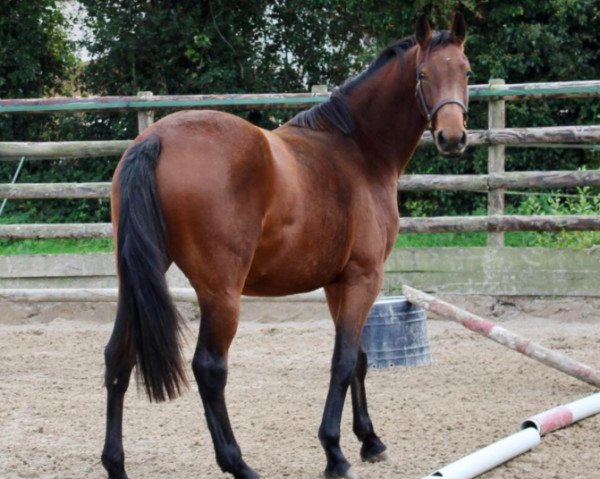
[
  {"x": 565, "y": 415},
  {"x": 490, "y": 456},
  {"x": 527, "y": 438},
  {"x": 485, "y": 327}
]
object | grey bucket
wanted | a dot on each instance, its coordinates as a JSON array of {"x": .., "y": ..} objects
[{"x": 395, "y": 334}]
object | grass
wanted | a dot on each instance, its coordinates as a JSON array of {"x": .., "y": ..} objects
[
  {"x": 405, "y": 240},
  {"x": 55, "y": 246},
  {"x": 464, "y": 240}
]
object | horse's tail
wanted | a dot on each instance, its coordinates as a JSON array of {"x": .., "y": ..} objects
[{"x": 147, "y": 319}]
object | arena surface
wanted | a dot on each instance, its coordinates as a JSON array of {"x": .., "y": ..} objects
[{"x": 52, "y": 399}]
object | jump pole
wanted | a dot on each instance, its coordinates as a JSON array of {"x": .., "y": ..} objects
[
  {"x": 487, "y": 328},
  {"x": 527, "y": 438}
]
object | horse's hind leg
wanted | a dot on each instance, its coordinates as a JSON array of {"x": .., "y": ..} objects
[
  {"x": 219, "y": 320},
  {"x": 120, "y": 360},
  {"x": 372, "y": 449}
]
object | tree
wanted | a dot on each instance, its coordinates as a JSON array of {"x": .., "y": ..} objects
[{"x": 36, "y": 59}]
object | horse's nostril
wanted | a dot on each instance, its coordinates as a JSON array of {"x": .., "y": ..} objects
[
  {"x": 441, "y": 139},
  {"x": 463, "y": 140}
]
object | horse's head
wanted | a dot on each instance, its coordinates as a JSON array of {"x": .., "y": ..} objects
[{"x": 442, "y": 77}]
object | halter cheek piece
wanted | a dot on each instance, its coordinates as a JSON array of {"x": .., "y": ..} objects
[{"x": 429, "y": 114}]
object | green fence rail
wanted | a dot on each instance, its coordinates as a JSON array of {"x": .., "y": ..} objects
[{"x": 483, "y": 92}]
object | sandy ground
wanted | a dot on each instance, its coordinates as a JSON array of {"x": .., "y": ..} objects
[{"x": 475, "y": 392}]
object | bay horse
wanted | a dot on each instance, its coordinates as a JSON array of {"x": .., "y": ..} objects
[{"x": 242, "y": 210}]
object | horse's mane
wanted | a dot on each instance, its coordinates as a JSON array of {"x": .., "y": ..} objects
[{"x": 335, "y": 111}]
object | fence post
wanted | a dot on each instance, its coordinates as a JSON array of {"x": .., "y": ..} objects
[
  {"x": 146, "y": 117},
  {"x": 496, "y": 161}
]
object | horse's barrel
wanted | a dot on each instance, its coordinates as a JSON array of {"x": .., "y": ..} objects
[{"x": 396, "y": 334}]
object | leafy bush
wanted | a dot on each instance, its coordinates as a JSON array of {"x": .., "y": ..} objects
[{"x": 583, "y": 202}]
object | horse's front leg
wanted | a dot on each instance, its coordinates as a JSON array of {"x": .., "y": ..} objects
[
  {"x": 349, "y": 301},
  {"x": 372, "y": 450}
]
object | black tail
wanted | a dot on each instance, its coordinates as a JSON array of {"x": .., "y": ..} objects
[{"x": 146, "y": 314}]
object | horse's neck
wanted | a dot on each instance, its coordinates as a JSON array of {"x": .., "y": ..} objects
[{"x": 388, "y": 121}]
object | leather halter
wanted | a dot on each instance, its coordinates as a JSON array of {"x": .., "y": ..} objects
[{"x": 429, "y": 114}]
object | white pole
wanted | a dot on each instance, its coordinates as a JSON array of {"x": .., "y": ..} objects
[
  {"x": 512, "y": 446},
  {"x": 491, "y": 456}
]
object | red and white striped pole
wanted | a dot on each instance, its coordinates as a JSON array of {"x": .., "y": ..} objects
[{"x": 487, "y": 328}]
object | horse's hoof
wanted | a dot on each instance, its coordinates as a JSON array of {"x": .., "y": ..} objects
[
  {"x": 349, "y": 474},
  {"x": 246, "y": 473},
  {"x": 373, "y": 450},
  {"x": 382, "y": 456}
]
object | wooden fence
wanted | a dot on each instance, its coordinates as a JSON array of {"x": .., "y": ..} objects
[{"x": 496, "y": 137}]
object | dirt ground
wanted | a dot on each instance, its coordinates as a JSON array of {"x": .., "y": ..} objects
[{"x": 475, "y": 392}]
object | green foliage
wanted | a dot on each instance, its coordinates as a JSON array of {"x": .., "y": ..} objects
[
  {"x": 35, "y": 56},
  {"x": 36, "y": 60},
  {"x": 435, "y": 240},
  {"x": 55, "y": 246},
  {"x": 583, "y": 202}
]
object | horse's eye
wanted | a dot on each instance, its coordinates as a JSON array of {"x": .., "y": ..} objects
[{"x": 422, "y": 76}]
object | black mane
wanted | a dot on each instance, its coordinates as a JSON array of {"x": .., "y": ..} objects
[{"x": 335, "y": 111}]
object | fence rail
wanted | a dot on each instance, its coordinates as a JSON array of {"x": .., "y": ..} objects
[
  {"x": 504, "y": 136},
  {"x": 496, "y": 93},
  {"x": 481, "y": 183},
  {"x": 440, "y": 224},
  {"x": 483, "y": 92}
]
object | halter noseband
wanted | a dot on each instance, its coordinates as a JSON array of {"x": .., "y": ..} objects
[{"x": 429, "y": 114}]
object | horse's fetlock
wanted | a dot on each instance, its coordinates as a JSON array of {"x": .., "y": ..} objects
[
  {"x": 329, "y": 437},
  {"x": 229, "y": 459},
  {"x": 113, "y": 461}
]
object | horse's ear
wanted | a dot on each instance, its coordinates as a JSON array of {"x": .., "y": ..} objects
[
  {"x": 458, "y": 30},
  {"x": 423, "y": 32}
]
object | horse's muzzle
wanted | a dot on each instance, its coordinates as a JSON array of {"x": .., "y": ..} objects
[{"x": 451, "y": 144}]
